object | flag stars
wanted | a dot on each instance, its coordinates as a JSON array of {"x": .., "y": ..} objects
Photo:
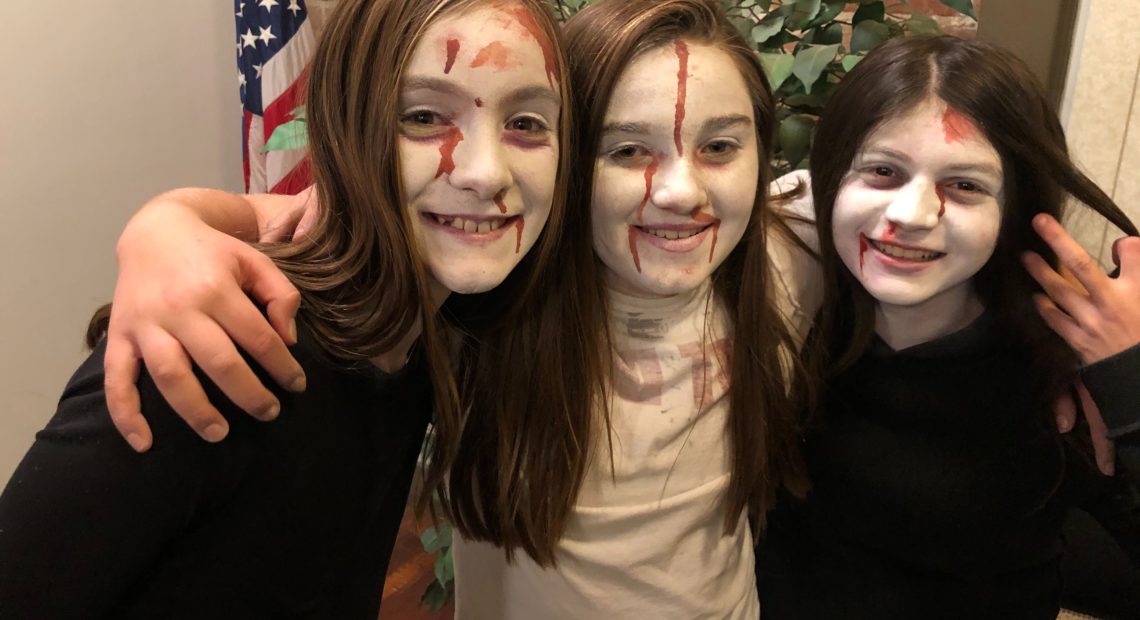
[
  {"x": 294, "y": 7},
  {"x": 257, "y": 68},
  {"x": 267, "y": 4},
  {"x": 266, "y": 34},
  {"x": 248, "y": 39},
  {"x": 241, "y": 79},
  {"x": 241, "y": 9}
]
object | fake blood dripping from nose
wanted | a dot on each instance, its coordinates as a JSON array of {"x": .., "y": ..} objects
[
  {"x": 633, "y": 248},
  {"x": 526, "y": 20},
  {"x": 452, "y": 52},
  {"x": 499, "y": 201},
  {"x": 941, "y": 201},
  {"x": 650, "y": 171},
  {"x": 682, "y": 90},
  {"x": 890, "y": 231},
  {"x": 518, "y": 234},
  {"x": 447, "y": 151}
]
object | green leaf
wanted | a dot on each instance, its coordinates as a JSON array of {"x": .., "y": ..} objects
[
  {"x": 868, "y": 34},
  {"x": 764, "y": 5},
  {"x": 850, "y": 60},
  {"x": 287, "y": 137},
  {"x": 922, "y": 24},
  {"x": 298, "y": 113},
  {"x": 810, "y": 63},
  {"x": 744, "y": 25},
  {"x": 444, "y": 568},
  {"x": 965, "y": 7},
  {"x": 829, "y": 11},
  {"x": 874, "y": 11},
  {"x": 766, "y": 28},
  {"x": 830, "y": 35},
  {"x": 434, "y": 597},
  {"x": 433, "y": 539},
  {"x": 777, "y": 67},
  {"x": 803, "y": 13},
  {"x": 795, "y": 138}
]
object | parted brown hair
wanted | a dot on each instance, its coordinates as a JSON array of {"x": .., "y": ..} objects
[
  {"x": 997, "y": 91},
  {"x": 362, "y": 282},
  {"x": 541, "y": 455}
]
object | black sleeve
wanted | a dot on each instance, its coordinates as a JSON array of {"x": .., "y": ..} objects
[
  {"x": 84, "y": 516},
  {"x": 1114, "y": 384}
]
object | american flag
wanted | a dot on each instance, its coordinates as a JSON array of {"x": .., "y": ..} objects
[{"x": 275, "y": 41}]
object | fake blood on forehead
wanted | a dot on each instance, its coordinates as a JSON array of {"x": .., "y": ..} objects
[
  {"x": 451, "y": 139},
  {"x": 956, "y": 126},
  {"x": 495, "y": 54},
  {"x": 682, "y": 90},
  {"x": 452, "y": 52},
  {"x": 526, "y": 20}
]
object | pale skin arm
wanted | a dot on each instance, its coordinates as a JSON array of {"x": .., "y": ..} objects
[
  {"x": 1097, "y": 315},
  {"x": 186, "y": 279}
]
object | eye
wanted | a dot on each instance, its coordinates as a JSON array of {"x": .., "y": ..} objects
[
  {"x": 881, "y": 176},
  {"x": 527, "y": 131},
  {"x": 527, "y": 124},
  {"x": 423, "y": 124},
  {"x": 967, "y": 186},
  {"x": 883, "y": 171},
  {"x": 720, "y": 151},
  {"x": 630, "y": 155}
]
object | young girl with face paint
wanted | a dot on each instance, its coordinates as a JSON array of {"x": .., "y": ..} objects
[
  {"x": 436, "y": 131},
  {"x": 940, "y": 483}
]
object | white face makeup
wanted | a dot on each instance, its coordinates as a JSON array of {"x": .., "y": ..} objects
[
  {"x": 676, "y": 172},
  {"x": 479, "y": 116},
  {"x": 918, "y": 214}
]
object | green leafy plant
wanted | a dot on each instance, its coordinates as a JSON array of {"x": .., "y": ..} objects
[{"x": 437, "y": 540}]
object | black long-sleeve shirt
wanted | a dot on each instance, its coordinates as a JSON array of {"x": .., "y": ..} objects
[
  {"x": 939, "y": 490},
  {"x": 295, "y": 518}
]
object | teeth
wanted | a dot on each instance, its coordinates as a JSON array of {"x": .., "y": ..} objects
[
  {"x": 672, "y": 234},
  {"x": 470, "y": 226},
  {"x": 904, "y": 253}
]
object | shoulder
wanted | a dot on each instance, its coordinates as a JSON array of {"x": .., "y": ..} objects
[{"x": 798, "y": 282}]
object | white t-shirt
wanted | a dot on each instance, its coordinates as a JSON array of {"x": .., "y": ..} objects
[{"x": 646, "y": 539}]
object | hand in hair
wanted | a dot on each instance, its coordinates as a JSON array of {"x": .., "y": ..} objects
[
  {"x": 1066, "y": 411},
  {"x": 1100, "y": 317},
  {"x": 290, "y": 221},
  {"x": 181, "y": 294}
]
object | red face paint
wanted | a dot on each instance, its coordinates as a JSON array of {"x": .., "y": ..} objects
[
  {"x": 682, "y": 87},
  {"x": 526, "y": 20},
  {"x": 956, "y": 126},
  {"x": 452, "y": 52},
  {"x": 862, "y": 251},
  {"x": 495, "y": 54},
  {"x": 633, "y": 248},
  {"x": 478, "y": 102},
  {"x": 890, "y": 231},
  {"x": 447, "y": 151},
  {"x": 941, "y": 201},
  {"x": 499, "y": 201},
  {"x": 703, "y": 218},
  {"x": 650, "y": 170},
  {"x": 518, "y": 234},
  {"x": 715, "y": 230}
]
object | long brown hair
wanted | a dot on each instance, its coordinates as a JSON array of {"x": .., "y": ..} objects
[
  {"x": 528, "y": 463},
  {"x": 362, "y": 283},
  {"x": 995, "y": 89}
]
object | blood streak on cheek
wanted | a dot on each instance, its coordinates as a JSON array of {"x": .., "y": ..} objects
[
  {"x": 956, "y": 126},
  {"x": 447, "y": 151},
  {"x": 518, "y": 234},
  {"x": 862, "y": 251},
  {"x": 526, "y": 20},
  {"x": 650, "y": 171},
  {"x": 712, "y": 248},
  {"x": 499, "y": 202},
  {"x": 452, "y": 52},
  {"x": 682, "y": 87},
  {"x": 633, "y": 248},
  {"x": 938, "y": 191}
]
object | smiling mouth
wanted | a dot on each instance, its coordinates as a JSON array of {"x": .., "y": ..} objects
[
  {"x": 471, "y": 225},
  {"x": 902, "y": 253},
  {"x": 662, "y": 233}
]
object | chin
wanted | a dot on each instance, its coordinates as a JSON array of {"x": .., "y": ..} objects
[
  {"x": 469, "y": 280},
  {"x": 673, "y": 284}
]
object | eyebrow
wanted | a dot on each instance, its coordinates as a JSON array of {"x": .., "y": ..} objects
[
  {"x": 516, "y": 96},
  {"x": 719, "y": 123},
  {"x": 900, "y": 156}
]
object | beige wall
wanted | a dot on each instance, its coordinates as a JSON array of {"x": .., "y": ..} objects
[
  {"x": 1102, "y": 108},
  {"x": 102, "y": 104}
]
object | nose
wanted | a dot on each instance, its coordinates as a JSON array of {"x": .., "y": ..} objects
[
  {"x": 917, "y": 206},
  {"x": 480, "y": 163},
  {"x": 678, "y": 187}
]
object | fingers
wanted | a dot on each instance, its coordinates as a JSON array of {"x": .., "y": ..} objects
[
  {"x": 308, "y": 220},
  {"x": 1126, "y": 250},
  {"x": 1066, "y": 411},
  {"x": 210, "y": 346},
  {"x": 1071, "y": 255},
  {"x": 1061, "y": 292},
  {"x": 120, "y": 373},
  {"x": 171, "y": 372},
  {"x": 1103, "y": 447},
  {"x": 239, "y": 318}
]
